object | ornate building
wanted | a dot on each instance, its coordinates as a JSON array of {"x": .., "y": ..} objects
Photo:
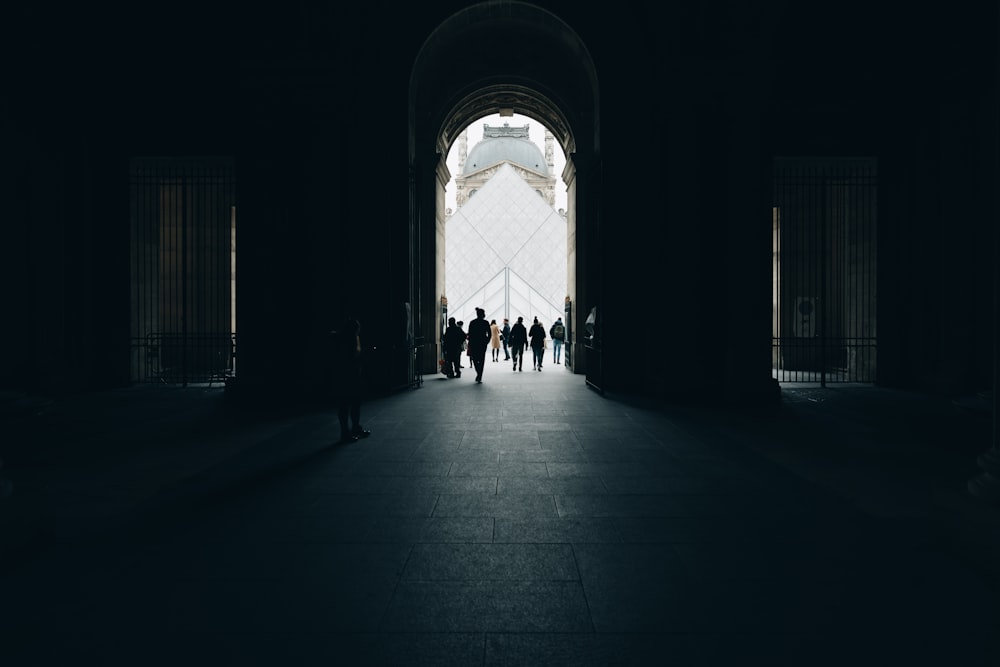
[
  {"x": 506, "y": 245},
  {"x": 505, "y": 144}
]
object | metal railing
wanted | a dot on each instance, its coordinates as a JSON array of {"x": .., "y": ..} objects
[
  {"x": 824, "y": 250},
  {"x": 179, "y": 358}
]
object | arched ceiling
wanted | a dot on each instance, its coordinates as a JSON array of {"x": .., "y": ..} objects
[{"x": 497, "y": 56}]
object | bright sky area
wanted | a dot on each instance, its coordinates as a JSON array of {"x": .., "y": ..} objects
[{"x": 536, "y": 132}]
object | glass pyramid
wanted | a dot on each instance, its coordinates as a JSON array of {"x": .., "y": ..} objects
[{"x": 505, "y": 251}]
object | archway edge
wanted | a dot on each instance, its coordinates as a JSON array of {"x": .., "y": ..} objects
[
  {"x": 517, "y": 99},
  {"x": 493, "y": 55},
  {"x": 564, "y": 97}
]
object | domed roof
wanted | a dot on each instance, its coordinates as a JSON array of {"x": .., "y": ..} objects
[{"x": 517, "y": 149}]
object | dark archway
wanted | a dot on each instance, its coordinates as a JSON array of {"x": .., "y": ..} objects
[{"x": 519, "y": 58}]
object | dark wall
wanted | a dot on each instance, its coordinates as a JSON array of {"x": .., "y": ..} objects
[{"x": 311, "y": 100}]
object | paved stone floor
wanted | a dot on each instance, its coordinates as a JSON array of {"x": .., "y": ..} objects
[{"x": 524, "y": 521}]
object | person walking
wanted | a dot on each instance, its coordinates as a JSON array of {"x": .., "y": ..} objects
[
  {"x": 504, "y": 338},
  {"x": 518, "y": 339},
  {"x": 479, "y": 340},
  {"x": 461, "y": 325},
  {"x": 558, "y": 335},
  {"x": 537, "y": 335},
  {"x": 348, "y": 372},
  {"x": 451, "y": 345},
  {"x": 495, "y": 340}
]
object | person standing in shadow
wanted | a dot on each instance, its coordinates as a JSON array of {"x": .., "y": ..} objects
[
  {"x": 349, "y": 380},
  {"x": 451, "y": 345},
  {"x": 479, "y": 339},
  {"x": 518, "y": 339}
]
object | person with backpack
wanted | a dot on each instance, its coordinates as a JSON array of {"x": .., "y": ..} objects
[{"x": 558, "y": 335}]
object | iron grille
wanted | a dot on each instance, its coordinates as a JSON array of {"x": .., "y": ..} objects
[
  {"x": 183, "y": 235},
  {"x": 824, "y": 270}
]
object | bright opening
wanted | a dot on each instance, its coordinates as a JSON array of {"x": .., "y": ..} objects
[{"x": 505, "y": 238}]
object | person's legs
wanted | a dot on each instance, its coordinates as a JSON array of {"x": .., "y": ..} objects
[
  {"x": 506, "y": 351},
  {"x": 478, "y": 362},
  {"x": 358, "y": 431},
  {"x": 556, "y": 350},
  {"x": 347, "y": 409},
  {"x": 342, "y": 413}
]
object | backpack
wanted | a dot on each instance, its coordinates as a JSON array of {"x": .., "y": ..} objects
[{"x": 558, "y": 331}]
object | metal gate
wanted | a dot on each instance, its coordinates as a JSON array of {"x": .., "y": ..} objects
[
  {"x": 183, "y": 235},
  {"x": 824, "y": 270}
]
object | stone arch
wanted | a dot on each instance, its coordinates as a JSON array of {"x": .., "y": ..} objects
[{"x": 497, "y": 57}]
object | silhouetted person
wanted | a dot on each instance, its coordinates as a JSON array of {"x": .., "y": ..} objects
[
  {"x": 479, "y": 339},
  {"x": 495, "y": 340},
  {"x": 558, "y": 334},
  {"x": 537, "y": 335},
  {"x": 518, "y": 340},
  {"x": 451, "y": 345},
  {"x": 505, "y": 338},
  {"x": 347, "y": 359},
  {"x": 465, "y": 343}
]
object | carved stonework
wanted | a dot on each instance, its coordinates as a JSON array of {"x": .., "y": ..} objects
[
  {"x": 523, "y": 100},
  {"x": 505, "y": 130},
  {"x": 463, "y": 149},
  {"x": 469, "y": 183}
]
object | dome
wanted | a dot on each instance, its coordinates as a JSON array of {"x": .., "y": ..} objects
[{"x": 490, "y": 151}]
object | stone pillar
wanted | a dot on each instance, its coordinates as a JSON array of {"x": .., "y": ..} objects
[{"x": 986, "y": 485}]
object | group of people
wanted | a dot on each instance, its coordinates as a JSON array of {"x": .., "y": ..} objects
[{"x": 514, "y": 340}]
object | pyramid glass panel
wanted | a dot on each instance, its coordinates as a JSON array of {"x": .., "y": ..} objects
[{"x": 506, "y": 232}]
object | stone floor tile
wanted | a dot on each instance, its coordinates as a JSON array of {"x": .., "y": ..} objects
[
  {"x": 559, "y": 469},
  {"x": 636, "y": 588},
  {"x": 508, "y": 506},
  {"x": 616, "y": 505},
  {"x": 556, "y": 531},
  {"x": 486, "y": 562},
  {"x": 349, "y": 484},
  {"x": 683, "y": 529},
  {"x": 498, "y": 606},
  {"x": 462, "y": 529},
  {"x": 591, "y": 650},
  {"x": 559, "y": 455},
  {"x": 438, "y": 485},
  {"x": 549, "y": 486},
  {"x": 388, "y": 504},
  {"x": 511, "y": 469}
]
